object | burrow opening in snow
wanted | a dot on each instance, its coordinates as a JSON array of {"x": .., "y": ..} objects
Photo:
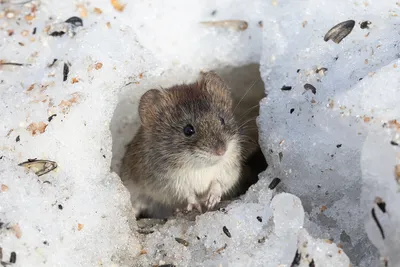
[{"x": 247, "y": 91}]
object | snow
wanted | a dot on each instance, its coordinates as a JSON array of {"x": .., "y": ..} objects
[{"x": 331, "y": 152}]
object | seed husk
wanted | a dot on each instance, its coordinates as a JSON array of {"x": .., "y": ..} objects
[
  {"x": 182, "y": 241},
  {"x": 338, "y": 32},
  {"x": 226, "y": 231},
  {"x": 40, "y": 167}
]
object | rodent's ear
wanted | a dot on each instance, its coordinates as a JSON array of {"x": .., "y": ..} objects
[
  {"x": 148, "y": 106},
  {"x": 215, "y": 86}
]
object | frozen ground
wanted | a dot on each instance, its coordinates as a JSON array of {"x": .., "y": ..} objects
[{"x": 334, "y": 150}]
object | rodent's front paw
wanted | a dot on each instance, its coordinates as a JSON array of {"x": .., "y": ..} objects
[
  {"x": 213, "y": 198},
  {"x": 197, "y": 205}
]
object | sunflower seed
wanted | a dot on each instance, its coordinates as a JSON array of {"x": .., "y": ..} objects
[
  {"x": 40, "y": 167},
  {"x": 338, "y": 32}
]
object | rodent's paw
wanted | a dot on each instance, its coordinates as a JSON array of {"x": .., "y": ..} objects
[
  {"x": 213, "y": 199},
  {"x": 197, "y": 205}
]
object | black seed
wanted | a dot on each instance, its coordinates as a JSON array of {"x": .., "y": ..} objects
[
  {"x": 312, "y": 263},
  {"x": 296, "y": 260},
  {"x": 308, "y": 86},
  {"x": 57, "y": 34},
  {"x": 34, "y": 31},
  {"x": 214, "y": 12},
  {"x": 259, "y": 218},
  {"x": 298, "y": 70},
  {"x": 393, "y": 143},
  {"x": 291, "y": 110},
  {"x": 262, "y": 240},
  {"x": 45, "y": 242},
  {"x": 51, "y": 117},
  {"x": 365, "y": 24},
  {"x": 182, "y": 241},
  {"x": 261, "y": 23},
  {"x": 377, "y": 223},
  {"x": 1, "y": 157},
  {"x": 76, "y": 21},
  {"x": 13, "y": 257},
  {"x": 198, "y": 238},
  {"x": 167, "y": 265},
  {"x": 65, "y": 72},
  {"x": 52, "y": 64},
  {"x": 360, "y": 79},
  {"x": 226, "y": 231},
  {"x": 280, "y": 156},
  {"x": 104, "y": 156},
  {"x": 17, "y": 139},
  {"x": 286, "y": 88},
  {"x": 336, "y": 58},
  {"x": 319, "y": 186},
  {"x": 1, "y": 254},
  {"x": 274, "y": 183},
  {"x": 382, "y": 206},
  {"x": 339, "y": 145},
  {"x": 60, "y": 206},
  {"x": 338, "y": 32}
]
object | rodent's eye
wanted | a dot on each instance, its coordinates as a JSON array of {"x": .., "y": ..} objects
[
  {"x": 222, "y": 120},
  {"x": 188, "y": 130}
]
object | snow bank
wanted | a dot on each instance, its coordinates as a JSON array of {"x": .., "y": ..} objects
[{"x": 329, "y": 146}]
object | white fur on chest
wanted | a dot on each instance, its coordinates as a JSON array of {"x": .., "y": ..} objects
[{"x": 189, "y": 181}]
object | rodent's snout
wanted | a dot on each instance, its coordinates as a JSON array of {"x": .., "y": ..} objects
[{"x": 220, "y": 148}]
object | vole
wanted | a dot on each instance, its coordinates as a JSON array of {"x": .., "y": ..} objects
[{"x": 187, "y": 153}]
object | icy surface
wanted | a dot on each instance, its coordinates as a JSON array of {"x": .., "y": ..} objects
[
  {"x": 329, "y": 147},
  {"x": 79, "y": 214}
]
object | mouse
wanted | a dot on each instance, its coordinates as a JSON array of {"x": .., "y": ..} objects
[{"x": 187, "y": 152}]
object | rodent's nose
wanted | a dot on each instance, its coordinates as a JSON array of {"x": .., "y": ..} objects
[{"x": 220, "y": 149}]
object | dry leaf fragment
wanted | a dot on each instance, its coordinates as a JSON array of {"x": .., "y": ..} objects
[
  {"x": 17, "y": 230},
  {"x": 367, "y": 119},
  {"x": 4, "y": 188},
  {"x": 108, "y": 24},
  {"x": 117, "y": 5},
  {"x": 97, "y": 10},
  {"x": 80, "y": 226},
  {"x": 82, "y": 10},
  {"x": 323, "y": 208},
  {"x": 29, "y": 17},
  {"x": 397, "y": 173},
  {"x": 98, "y": 65},
  {"x": 236, "y": 25},
  {"x": 143, "y": 252},
  {"x": 37, "y": 128},
  {"x": 74, "y": 80},
  {"x": 66, "y": 104},
  {"x": 30, "y": 87}
]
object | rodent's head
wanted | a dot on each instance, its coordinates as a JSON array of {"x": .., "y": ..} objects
[{"x": 192, "y": 124}]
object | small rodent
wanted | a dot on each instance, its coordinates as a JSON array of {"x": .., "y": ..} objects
[{"x": 187, "y": 152}]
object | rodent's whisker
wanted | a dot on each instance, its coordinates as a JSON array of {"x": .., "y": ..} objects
[
  {"x": 247, "y": 112},
  {"x": 244, "y": 123},
  {"x": 248, "y": 90}
]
